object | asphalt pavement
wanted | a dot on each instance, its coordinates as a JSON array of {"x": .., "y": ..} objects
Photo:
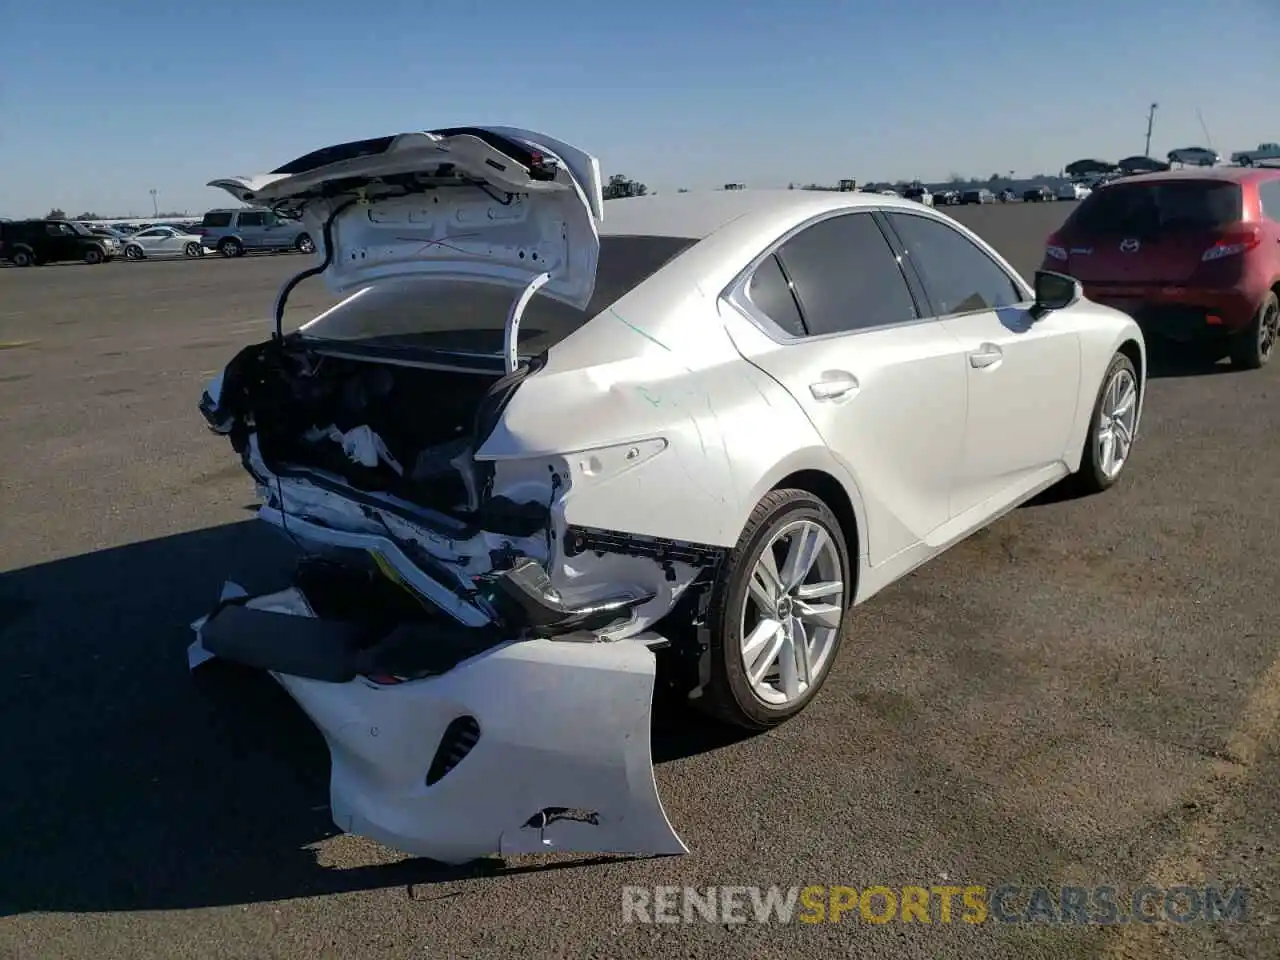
[{"x": 1087, "y": 693}]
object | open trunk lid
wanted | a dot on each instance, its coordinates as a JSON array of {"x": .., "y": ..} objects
[
  {"x": 1157, "y": 232},
  {"x": 495, "y": 205}
]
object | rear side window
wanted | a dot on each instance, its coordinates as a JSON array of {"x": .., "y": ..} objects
[
  {"x": 770, "y": 292},
  {"x": 1144, "y": 209},
  {"x": 219, "y": 218},
  {"x": 252, "y": 218},
  {"x": 959, "y": 275},
  {"x": 846, "y": 276},
  {"x": 1269, "y": 194}
]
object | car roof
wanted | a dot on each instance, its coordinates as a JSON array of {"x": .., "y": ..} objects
[
  {"x": 1239, "y": 175},
  {"x": 697, "y": 215}
]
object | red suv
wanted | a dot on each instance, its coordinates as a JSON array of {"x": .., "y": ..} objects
[{"x": 1193, "y": 255}]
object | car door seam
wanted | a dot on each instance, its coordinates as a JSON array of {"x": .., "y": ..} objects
[{"x": 906, "y": 266}]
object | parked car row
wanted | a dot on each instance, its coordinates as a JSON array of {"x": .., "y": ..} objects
[
  {"x": 230, "y": 232},
  {"x": 27, "y": 243}
]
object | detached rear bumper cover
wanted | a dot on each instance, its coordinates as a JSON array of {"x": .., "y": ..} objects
[{"x": 532, "y": 746}]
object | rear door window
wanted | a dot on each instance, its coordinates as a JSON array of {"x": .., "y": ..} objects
[
  {"x": 846, "y": 276},
  {"x": 1147, "y": 209},
  {"x": 253, "y": 218}
]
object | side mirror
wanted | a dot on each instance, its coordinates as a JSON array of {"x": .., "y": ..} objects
[{"x": 1054, "y": 291}]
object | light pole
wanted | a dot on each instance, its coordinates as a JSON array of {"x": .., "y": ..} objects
[
  {"x": 155, "y": 205},
  {"x": 1151, "y": 119}
]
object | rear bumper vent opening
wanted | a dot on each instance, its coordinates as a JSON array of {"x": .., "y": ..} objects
[{"x": 460, "y": 738}]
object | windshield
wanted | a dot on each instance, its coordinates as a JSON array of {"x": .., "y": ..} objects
[
  {"x": 81, "y": 229},
  {"x": 435, "y": 315},
  {"x": 1144, "y": 209}
]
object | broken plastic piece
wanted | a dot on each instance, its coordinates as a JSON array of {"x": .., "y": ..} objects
[
  {"x": 531, "y": 598},
  {"x": 197, "y": 652}
]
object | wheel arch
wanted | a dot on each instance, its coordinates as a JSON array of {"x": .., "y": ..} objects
[
  {"x": 817, "y": 471},
  {"x": 1134, "y": 349},
  {"x": 831, "y": 492}
]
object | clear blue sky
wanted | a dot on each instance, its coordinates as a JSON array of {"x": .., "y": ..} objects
[{"x": 100, "y": 103}]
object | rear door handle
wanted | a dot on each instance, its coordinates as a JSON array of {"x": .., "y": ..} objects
[
  {"x": 833, "y": 386},
  {"x": 988, "y": 354}
]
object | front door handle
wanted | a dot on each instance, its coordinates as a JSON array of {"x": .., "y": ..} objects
[
  {"x": 833, "y": 386},
  {"x": 988, "y": 354}
]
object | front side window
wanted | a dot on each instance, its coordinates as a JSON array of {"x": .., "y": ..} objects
[
  {"x": 958, "y": 275},
  {"x": 846, "y": 276}
]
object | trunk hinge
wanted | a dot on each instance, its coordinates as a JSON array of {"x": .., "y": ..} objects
[{"x": 513, "y": 321}]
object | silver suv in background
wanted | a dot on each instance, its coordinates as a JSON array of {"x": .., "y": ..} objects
[{"x": 234, "y": 233}]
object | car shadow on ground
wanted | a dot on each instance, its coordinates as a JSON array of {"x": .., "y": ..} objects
[
  {"x": 1168, "y": 360},
  {"x": 132, "y": 785}
]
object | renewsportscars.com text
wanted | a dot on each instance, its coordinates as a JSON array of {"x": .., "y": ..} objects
[{"x": 972, "y": 904}]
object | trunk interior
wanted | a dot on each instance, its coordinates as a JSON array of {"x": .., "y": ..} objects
[{"x": 382, "y": 427}]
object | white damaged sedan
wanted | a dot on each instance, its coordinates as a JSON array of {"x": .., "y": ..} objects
[{"x": 546, "y": 442}]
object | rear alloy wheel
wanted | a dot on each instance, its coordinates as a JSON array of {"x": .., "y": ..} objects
[
  {"x": 305, "y": 244},
  {"x": 23, "y": 258},
  {"x": 1253, "y": 346},
  {"x": 776, "y": 612},
  {"x": 1112, "y": 430},
  {"x": 93, "y": 256},
  {"x": 230, "y": 248},
  {"x": 192, "y": 249},
  {"x": 133, "y": 253}
]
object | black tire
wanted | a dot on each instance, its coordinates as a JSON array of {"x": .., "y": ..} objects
[
  {"x": 94, "y": 256},
  {"x": 728, "y": 696},
  {"x": 230, "y": 247},
  {"x": 1253, "y": 347},
  {"x": 192, "y": 249},
  {"x": 133, "y": 252},
  {"x": 24, "y": 258},
  {"x": 1090, "y": 478},
  {"x": 305, "y": 244}
]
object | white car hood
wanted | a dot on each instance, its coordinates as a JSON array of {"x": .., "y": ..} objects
[{"x": 495, "y": 204}]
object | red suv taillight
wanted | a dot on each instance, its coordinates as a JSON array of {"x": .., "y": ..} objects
[{"x": 1234, "y": 242}]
